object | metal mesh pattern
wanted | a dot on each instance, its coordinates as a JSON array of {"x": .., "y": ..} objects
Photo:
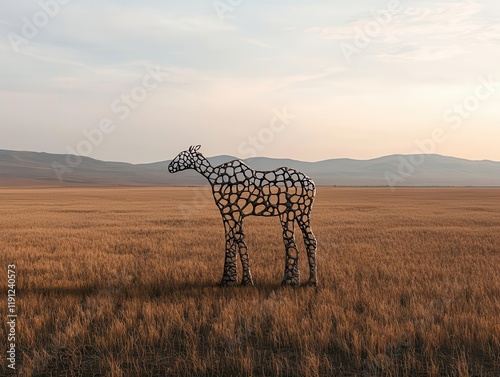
[{"x": 240, "y": 191}]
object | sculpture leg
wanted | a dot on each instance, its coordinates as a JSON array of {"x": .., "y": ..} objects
[
  {"x": 311, "y": 247},
  {"x": 230, "y": 274},
  {"x": 291, "y": 276},
  {"x": 243, "y": 249}
]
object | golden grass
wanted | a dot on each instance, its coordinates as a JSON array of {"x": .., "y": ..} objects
[{"x": 122, "y": 282}]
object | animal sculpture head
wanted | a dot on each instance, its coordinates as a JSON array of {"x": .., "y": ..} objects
[{"x": 184, "y": 160}]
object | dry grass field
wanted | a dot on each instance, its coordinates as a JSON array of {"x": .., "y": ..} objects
[{"x": 123, "y": 282}]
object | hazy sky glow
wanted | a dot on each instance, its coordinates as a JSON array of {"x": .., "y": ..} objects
[{"x": 305, "y": 80}]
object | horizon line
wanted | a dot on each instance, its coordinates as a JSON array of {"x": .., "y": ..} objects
[{"x": 248, "y": 158}]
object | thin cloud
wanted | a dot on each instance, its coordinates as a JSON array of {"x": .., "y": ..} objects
[
  {"x": 422, "y": 53},
  {"x": 34, "y": 54},
  {"x": 259, "y": 44},
  {"x": 421, "y": 33}
]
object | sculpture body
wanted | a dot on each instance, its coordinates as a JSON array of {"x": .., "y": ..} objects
[{"x": 240, "y": 191}]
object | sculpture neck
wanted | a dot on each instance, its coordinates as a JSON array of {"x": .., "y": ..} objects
[{"x": 202, "y": 166}]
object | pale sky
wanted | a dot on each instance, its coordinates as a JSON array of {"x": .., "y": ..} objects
[{"x": 308, "y": 80}]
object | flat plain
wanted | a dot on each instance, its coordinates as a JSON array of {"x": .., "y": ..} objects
[{"x": 123, "y": 282}]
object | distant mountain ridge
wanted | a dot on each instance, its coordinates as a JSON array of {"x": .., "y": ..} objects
[{"x": 26, "y": 169}]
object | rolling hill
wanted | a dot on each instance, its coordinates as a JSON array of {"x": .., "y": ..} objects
[{"x": 26, "y": 169}]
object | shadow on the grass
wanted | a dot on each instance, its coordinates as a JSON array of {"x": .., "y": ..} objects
[{"x": 158, "y": 289}]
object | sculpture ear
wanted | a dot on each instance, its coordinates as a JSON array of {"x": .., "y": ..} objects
[
  {"x": 191, "y": 148},
  {"x": 197, "y": 148}
]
